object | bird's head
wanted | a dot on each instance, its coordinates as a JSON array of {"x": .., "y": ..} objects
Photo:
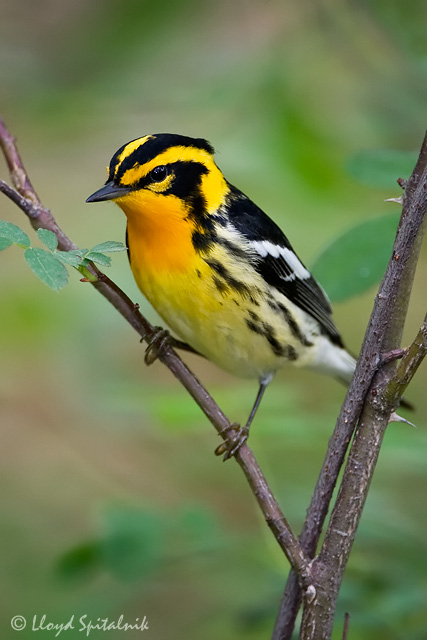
[{"x": 164, "y": 165}]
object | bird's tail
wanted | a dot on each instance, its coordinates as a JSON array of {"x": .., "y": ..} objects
[
  {"x": 345, "y": 366},
  {"x": 333, "y": 360}
]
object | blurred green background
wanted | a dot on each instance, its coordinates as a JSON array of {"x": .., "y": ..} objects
[{"x": 112, "y": 500}]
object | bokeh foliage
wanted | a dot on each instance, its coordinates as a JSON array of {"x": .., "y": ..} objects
[{"x": 112, "y": 500}]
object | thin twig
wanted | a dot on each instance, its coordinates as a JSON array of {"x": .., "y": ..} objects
[
  {"x": 408, "y": 366},
  {"x": 27, "y": 200},
  {"x": 19, "y": 200},
  {"x": 346, "y": 625}
]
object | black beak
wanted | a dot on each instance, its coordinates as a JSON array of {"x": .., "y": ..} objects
[{"x": 110, "y": 191}]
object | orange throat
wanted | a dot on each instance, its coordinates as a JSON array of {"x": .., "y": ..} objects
[{"x": 159, "y": 234}]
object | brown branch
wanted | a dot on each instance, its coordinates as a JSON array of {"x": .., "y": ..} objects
[
  {"x": 329, "y": 567},
  {"x": 26, "y": 198},
  {"x": 383, "y": 335},
  {"x": 19, "y": 200},
  {"x": 408, "y": 366}
]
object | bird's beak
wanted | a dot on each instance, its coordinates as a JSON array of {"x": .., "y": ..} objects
[{"x": 110, "y": 191}]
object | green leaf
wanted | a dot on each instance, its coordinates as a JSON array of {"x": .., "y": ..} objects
[
  {"x": 100, "y": 258},
  {"x": 47, "y": 267},
  {"x": 72, "y": 258},
  {"x": 48, "y": 238},
  {"x": 109, "y": 247},
  {"x": 13, "y": 233},
  {"x": 381, "y": 168},
  {"x": 81, "y": 562},
  {"x": 134, "y": 543},
  {"x": 5, "y": 243},
  {"x": 355, "y": 261}
]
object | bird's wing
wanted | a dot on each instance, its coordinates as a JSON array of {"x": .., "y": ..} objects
[{"x": 276, "y": 261}]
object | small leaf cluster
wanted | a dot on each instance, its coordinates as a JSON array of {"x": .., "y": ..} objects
[{"x": 49, "y": 264}]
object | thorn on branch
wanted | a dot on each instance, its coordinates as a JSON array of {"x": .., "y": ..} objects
[
  {"x": 394, "y": 417},
  {"x": 310, "y": 593},
  {"x": 402, "y": 183},
  {"x": 398, "y": 200},
  {"x": 390, "y": 356}
]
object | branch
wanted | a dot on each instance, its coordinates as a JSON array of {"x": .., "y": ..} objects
[
  {"x": 330, "y": 565},
  {"x": 25, "y": 197},
  {"x": 383, "y": 335},
  {"x": 408, "y": 366}
]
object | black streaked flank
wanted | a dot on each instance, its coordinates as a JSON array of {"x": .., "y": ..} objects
[
  {"x": 220, "y": 285},
  {"x": 290, "y": 353},
  {"x": 219, "y": 268},
  {"x": 254, "y": 327},
  {"x": 253, "y": 316},
  {"x": 238, "y": 286},
  {"x": 266, "y": 330},
  {"x": 232, "y": 248},
  {"x": 293, "y": 326},
  {"x": 272, "y": 340}
]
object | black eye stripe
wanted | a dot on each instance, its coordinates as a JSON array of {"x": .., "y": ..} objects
[{"x": 185, "y": 176}]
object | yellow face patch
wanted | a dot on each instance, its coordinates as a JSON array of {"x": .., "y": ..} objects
[
  {"x": 160, "y": 187},
  {"x": 213, "y": 183}
]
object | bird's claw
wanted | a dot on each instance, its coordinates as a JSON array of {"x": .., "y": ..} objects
[
  {"x": 230, "y": 446},
  {"x": 156, "y": 343}
]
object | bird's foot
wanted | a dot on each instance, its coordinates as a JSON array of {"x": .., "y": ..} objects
[
  {"x": 236, "y": 437},
  {"x": 156, "y": 343}
]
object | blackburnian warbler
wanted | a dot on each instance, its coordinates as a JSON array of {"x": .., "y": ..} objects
[{"x": 217, "y": 269}]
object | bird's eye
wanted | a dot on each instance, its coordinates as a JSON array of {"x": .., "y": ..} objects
[{"x": 159, "y": 173}]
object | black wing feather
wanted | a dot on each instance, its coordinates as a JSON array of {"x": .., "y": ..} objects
[{"x": 255, "y": 225}]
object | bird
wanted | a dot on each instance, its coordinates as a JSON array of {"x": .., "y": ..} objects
[{"x": 217, "y": 269}]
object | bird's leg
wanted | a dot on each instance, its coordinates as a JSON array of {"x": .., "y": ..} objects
[
  {"x": 240, "y": 434},
  {"x": 159, "y": 340}
]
